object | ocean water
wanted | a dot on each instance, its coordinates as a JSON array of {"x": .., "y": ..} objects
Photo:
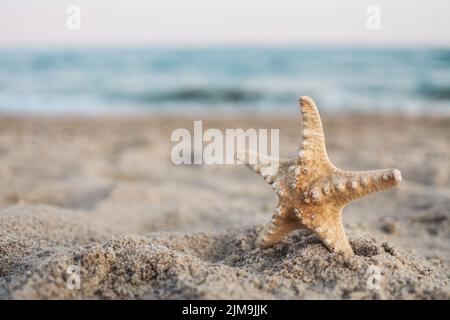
[{"x": 223, "y": 80}]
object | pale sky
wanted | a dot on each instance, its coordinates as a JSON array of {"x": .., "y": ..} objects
[{"x": 224, "y": 22}]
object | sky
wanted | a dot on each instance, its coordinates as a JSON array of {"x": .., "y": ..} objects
[{"x": 42, "y": 23}]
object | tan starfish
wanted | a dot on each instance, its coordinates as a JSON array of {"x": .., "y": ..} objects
[{"x": 312, "y": 192}]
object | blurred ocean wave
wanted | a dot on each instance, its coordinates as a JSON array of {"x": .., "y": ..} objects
[{"x": 224, "y": 79}]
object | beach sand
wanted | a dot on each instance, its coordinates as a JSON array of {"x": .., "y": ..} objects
[{"x": 102, "y": 194}]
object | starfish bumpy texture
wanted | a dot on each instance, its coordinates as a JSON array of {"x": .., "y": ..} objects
[{"x": 312, "y": 192}]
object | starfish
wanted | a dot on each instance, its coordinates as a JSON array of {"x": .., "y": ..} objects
[{"x": 311, "y": 191}]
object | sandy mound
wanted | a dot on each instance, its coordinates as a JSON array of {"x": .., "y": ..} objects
[{"x": 201, "y": 266}]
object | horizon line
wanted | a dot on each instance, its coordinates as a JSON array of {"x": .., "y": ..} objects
[{"x": 130, "y": 45}]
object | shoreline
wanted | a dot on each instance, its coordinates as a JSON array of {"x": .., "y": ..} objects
[{"x": 214, "y": 114}]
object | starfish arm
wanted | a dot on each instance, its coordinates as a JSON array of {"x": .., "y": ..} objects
[
  {"x": 350, "y": 185},
  {"x": 280, "y": 226},
  {"x": 312, "y": 150},
  {"x": 265, "y": 166},
  {"x": 327, "y": 225}
]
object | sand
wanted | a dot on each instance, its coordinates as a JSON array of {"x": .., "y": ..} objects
[{"x": 102, "y": 194}]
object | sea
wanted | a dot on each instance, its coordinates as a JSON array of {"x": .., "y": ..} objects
[{"x": 223, "y": 80}]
